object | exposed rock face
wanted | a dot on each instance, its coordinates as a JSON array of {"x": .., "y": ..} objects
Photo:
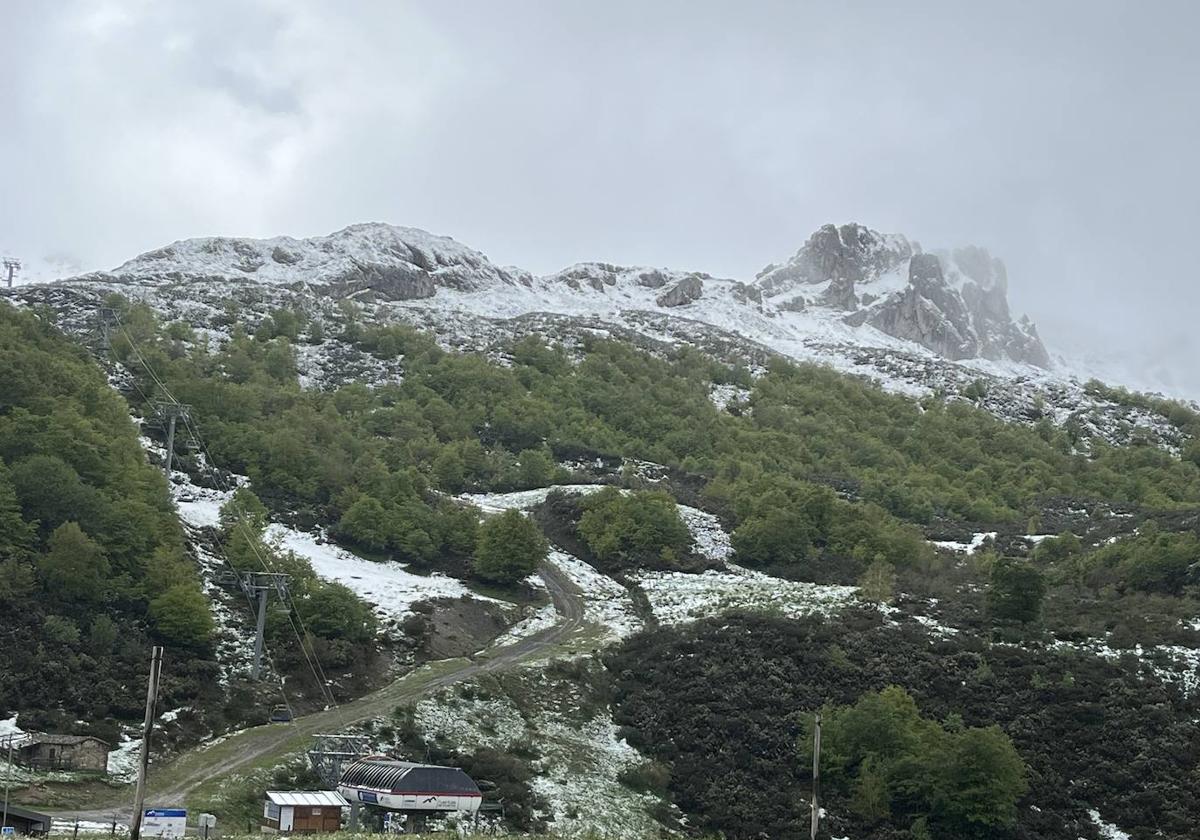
[
  {"x": 685, "y": 291},
  {"x": 927, "y": 312},
  {"x": 955, "y": 304},
  {"x": 840, "y": 256},
  {"x": 956, "y": 317}
]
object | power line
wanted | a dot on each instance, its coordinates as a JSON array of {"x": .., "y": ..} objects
[
  {"x": 110, "y": 317},
  {"x": 314, "y": 663},
  {"x": 252, "y": 541}
]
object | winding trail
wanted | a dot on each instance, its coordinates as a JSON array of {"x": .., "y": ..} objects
[{"x": 172, "y": 784}]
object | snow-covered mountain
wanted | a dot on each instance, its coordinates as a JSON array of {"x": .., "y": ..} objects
[
  {"x": 919, "y": 323},
  {"x": 953, "y": 303}
]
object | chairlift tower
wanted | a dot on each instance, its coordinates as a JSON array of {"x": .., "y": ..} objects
[
  {"x": 259, "y": 585},
  {"x": 109, "y": 318},
  {"x": 11, "y": 265},
  {"x": 171, "y": 412},
  {"x": 330, "y": 754}
]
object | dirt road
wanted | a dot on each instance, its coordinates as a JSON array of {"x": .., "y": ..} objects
[{"x": 173, "y": 783}]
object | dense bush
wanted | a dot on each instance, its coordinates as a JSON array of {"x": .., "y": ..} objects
[
  {"x": 509, "y": 548},
  {"x": 723, "y": 703},
  {"x": 640, "y": 529},
  {"x": 898, "y": 766},
  {"x": 1150, "y": 561}
]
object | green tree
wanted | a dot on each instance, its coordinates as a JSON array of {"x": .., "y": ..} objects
[
  {"x": 450, "y": 470},
  {"x": 776, "y": 536},
  {"x": 182, "y": 616},
  {"x": 878, "y": 582},
  {"x": 1016, "y": 591},
  {"x": 332, "y": 611},
  {"x": 633, "y": 529},
  {"x": 535, "y": 468},
  {"x": 509, "y": 548},
  {"x": 882, "y": 753},
  {"x": 60, "y": 629},
  {"x": 870, "y": 799},
  {"x": 367, "y": 522},
  {"x": 102, "y": 635},
  {"x": 75, "y": 568}
]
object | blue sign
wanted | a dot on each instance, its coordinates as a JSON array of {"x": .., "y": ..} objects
[
  {"x": 8, "y": 831},
  {"x": 367, "y": 796},
  {"x": 166, "y": 812}
]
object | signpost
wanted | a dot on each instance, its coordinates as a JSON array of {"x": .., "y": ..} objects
[
  {"x": 207, "y": 821},
  {"x": 164, "y": 822}
]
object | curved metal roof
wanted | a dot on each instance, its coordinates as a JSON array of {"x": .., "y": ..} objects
[{"x": 407, "y": 777}]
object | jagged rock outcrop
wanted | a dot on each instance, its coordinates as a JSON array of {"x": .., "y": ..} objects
[
  {"x": 841, "y": 257},
  {"x": 685, "y": 291},
  {"x": 927, "y": 312},
  {"x": 954, "y": 313}
]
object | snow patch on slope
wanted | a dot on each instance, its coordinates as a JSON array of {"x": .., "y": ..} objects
[
  {"x": 607, "y": 603},
  {"x": 386, "y": 585},
  {"x": 680, "y": 597}
]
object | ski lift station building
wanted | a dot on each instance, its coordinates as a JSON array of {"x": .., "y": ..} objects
[{"x": 405, "y": 786}]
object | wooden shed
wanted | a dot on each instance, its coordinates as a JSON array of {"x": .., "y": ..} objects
[{"x": 302, "y": 811}]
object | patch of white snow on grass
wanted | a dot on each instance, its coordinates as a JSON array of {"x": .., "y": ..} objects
[
  {"x": 579, "y": 762},
  {"x": 974, "y": 545},
  {"x": 607, "y": 602},
  {"x": 723, "y": 395},
  {"x": 200, "y": 507},
  {"x": 679, "y": 597},
  {"x": 541, "y": 619},
  {"x": 123, "y": 760},
  {"x": 386, "y": 585},
  {"x": 1107, "y": 830},
  {"x": 1183, "y": 667},
  {"x": 63, "y": 826},
  {"x": 711, "y": 540},
  {"x": 524, "y": 499}
]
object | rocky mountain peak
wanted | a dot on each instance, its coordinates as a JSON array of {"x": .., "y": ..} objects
[
  {"x": 954, "y": 303},
  {"x": 398, "y": 263},
  {"x": 840, "y": 257}
]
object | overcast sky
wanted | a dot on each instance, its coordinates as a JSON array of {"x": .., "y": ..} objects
[{"x": 711, "y": 136}]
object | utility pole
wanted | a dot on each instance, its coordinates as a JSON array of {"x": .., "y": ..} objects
[
  {"x": 139, "y": 802},
  {"x": 259, "y": 585},
  {"x": 8, "y": 778},
  {"x": 172, "y": 411},
  {"x": 12, "y": 264},
  {"x": 816, "y": 784}
]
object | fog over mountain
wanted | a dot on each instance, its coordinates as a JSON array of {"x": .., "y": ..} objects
[{"x": 694, "y": 136}]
